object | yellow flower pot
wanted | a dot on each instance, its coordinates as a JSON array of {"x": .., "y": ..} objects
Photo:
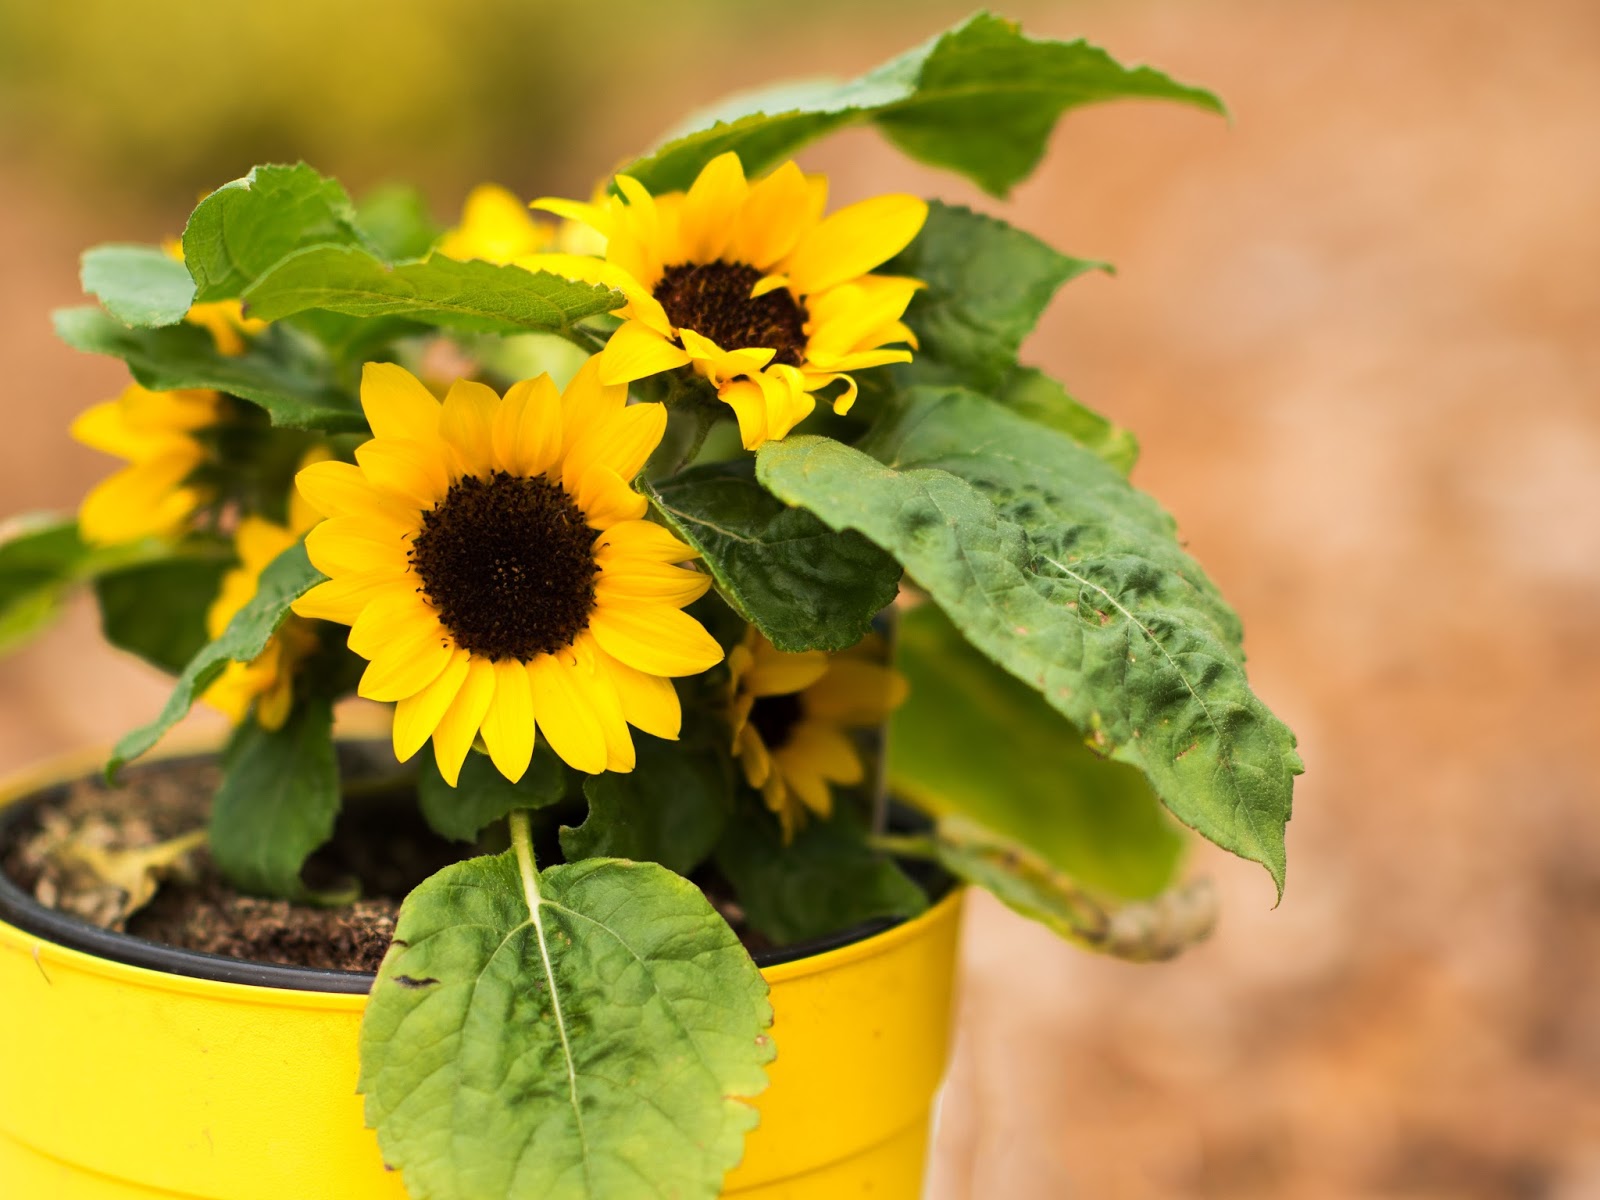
[{"x": 132, "y": 1072}]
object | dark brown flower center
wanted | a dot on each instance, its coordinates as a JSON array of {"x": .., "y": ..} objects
[
  {"x": 775, "y": 718},
  {"x": 713, "y": 299},
  {"x": 509, "y": 565}
]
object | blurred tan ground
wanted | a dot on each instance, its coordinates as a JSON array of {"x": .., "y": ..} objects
[{"x": 1359, "y": 335}]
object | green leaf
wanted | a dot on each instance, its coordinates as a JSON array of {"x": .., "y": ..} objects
[
  {"x": 825, "y": 881},
  {"x": 287, "y": 577},
  {"x": 980, "y": 99},
  {"x": 803, "y": 585},
  {"x": 1150, "y": 930},
  {"x": 278, "y": 801},
  {"x": 476, "y": 297},
  {"x": 158, "y": 610},
  {"x": 397, "y": 222},
  {"x": 42, "y": 558},
  {"x": 988, "y": 284},
  {"x": 1053, "y": 565},
  {"x": 1033, "y": 394},
  {"x": 483, "y": 796},
  {"x": 295, "y": 392},
  {"x": 243, "y": 227},
  {"x": 975, "y": 742},
  {"x": 602, "y": 1046},
  {"x": 140, "y": 285},
  {"x": 670, "y": 809}
]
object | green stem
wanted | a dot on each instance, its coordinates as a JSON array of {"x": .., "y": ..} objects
[
  {"x": 905, "y": 845},
  {"x": 522, "y": 842}
]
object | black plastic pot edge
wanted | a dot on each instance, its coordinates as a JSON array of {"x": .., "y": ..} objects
[{"x": 23, "y": 912}]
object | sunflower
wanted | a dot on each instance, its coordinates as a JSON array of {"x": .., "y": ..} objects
[
  {"x": 154, "y": 431},
  {"x": 497, "y": 227},
  {"x": 492, "y": 560},
  {"x": 223, "y": 319},
  {"x": 750, "y": 284},
  {"x": 267, "y": 680},
  {"x": 790, "y": 715}
]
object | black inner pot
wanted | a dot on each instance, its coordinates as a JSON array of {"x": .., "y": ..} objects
[{"x": 22, "y": 911}]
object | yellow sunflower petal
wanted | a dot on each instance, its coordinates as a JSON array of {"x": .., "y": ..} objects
[
  {"x": 344, "y": 598},
  {"x": 495, "y": 227},
  {"x": 710, "y": 208},
  {"x": 649, "y": 702},
  {"x": 508, "y": 725},
  {"x": 595, "y": 216},
  {"x": 399, "y": 614},
  {"x": 144, "y": 500},
  {"x": 636, "y": 351},
  {"x": 397, "y": 404},
  {"x": 461, "y": 721},
  {"x": 753, "y": 757},
  {"x": 641, "y": 539},
  {"x": 275, "y": 702},
  {"x": 655, "y": 582},
  {"x": 777, "y": 673},
  {"x": 856, "y": 693},
  {"x": 605, "y": 498},
  {"x": 417, "y": 716},
  {"x": 409, "y": 472},
  {"x": 825, "y": 751},
  {"x": 853, "y": 240},
  {"x": 585, "y": 403},
  {"x": 600, "y": 693},
  {"x": 778, "y": 211},
  {"x": 567, "y": 722},
  {"x": 340, "y": 489},
  {"x": 655, "y": 639},
  {"x": 466, "y": 423},
  {"x": 404, "y": 667},
  {"x": 527, "y": 427},
  {"x": 805, "y": 782},
  {"x": 723, "y": 364},
  {"x": 749, "y": 404},
  {"x": 348, "y": 545},
  {"x": 787, "y": 401},
  {"x": 623, "y": 441}
]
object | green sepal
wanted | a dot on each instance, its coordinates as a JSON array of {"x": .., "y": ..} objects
[
  {"x": 803, "y": 585},
  {"x": 976, "y": 742},
  {"x": 824, "y": 881},
  {"x": 278, "y": 801},
  {"x": 482, "y": 795},
  {"x": 1053, "y": 565},
  {"x": 670, "y": 809},
  {"x": 565, "y": 1034},
  {"x": 980, "y": 99},
  {"x": 296, "y": 392},
  {"x": 286, "y": 579},
  {"x": 139, "y": 285}
]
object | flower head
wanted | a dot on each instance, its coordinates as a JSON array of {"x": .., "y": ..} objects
[
  {"x": 790, "y": 715},
  {"x": 751, "y": 285},
  {"x": 155, "y": 433},
  {"x": 497, "y": 227},
  {"x": 492, "y": 560},
  {"x": 267, "y": 681}
]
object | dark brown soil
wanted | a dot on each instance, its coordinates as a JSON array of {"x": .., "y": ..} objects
[{"x": 162, "y": 889}]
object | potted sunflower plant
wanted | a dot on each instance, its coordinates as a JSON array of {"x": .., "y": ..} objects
[{"x": 637, "y": 519}]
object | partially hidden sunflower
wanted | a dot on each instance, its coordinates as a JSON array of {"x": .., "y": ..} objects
[
  {"x": 155, "y": 433},
  {"x": 792, "y": 714},
  {"x": 267, "y": 681},
  {"x": 497, "y": 227},
  {"x": 491, "y": 558},
  {"x": 767, "y": 299}
]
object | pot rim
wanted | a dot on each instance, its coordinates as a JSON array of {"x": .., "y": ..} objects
[{"x": 25, "y": 915}]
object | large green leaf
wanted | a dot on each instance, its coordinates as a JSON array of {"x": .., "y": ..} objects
[
  {"x": 278, "y": 801},
  {"x": 584, "y": 1032},
  {"x": 141, "y": 285},
  {"x": 397, "y": 222},
  {"x": 42, "y": 558},
  {"x": 286, "y": 578},
  {"x": 975, "y": 742},
  {"x": 670, "y": 809},
  {"x": 483, "y": 796},
  {"x": 1052, "y": 564},
  {"x": 243, "y": 227},
  {"x": 825, "y": 881},
  {"x": 158, "y": 610},
  {"x": 980, "y": 99},
  {"x": 1147, "y": 930},
  {"x": 295, "y": 392},
  {"x": 803, "y": 585},
  {"x": 988, "y": 283},
  {"x": 476, "y": 297}
]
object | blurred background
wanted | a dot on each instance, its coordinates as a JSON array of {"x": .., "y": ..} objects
[{"x": 1358, "y": 332}]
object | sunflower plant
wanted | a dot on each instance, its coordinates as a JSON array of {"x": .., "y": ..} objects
[{"x": 646, "y": 513}]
